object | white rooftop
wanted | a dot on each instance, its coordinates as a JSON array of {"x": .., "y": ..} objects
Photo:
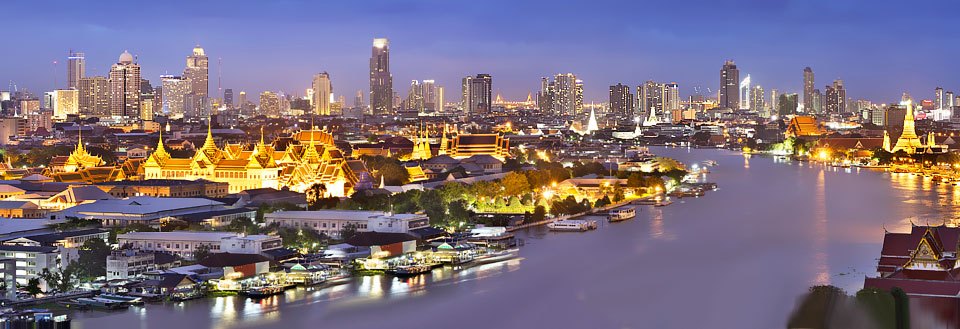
[
  {"x": 337, "y": 215},
  {"x": 142, "y": 205}
]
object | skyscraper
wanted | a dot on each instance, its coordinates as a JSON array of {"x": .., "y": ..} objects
[
  {"x": 545, "y": 96},
  {"x": 66, "y": 102},
  {"x": 125, "y": 87},
  {"x": 197, "y": 73},
  {"x": 440, "y": 100},
  {"x": 322, "y": 89},
  {"x": 774, "y": 100},
  {"x": 745, "y": 93},
  {"x": 787, "y": 104},
  {"x": 756, "y": 99},
  {"x": 621, "y": 100},
  {"x": 836, "y": 98},
  {"x": 228, "y": 98},
  {"x": 650, "y": 96},
  {"x": 729, "y": 84},
  {"x": 808, "y": 88},
  {"x": 381, "y": 81},
  {"x": 175, "y": 90},
  {"x": 270, "y": 104},
  {"x": 477, "y": 94},
  {"x": 429, "y": 93},
  {"x": 358, "y": 100},
  {"x": 415, "y": 99},
  {"x": 938, "y": 102},
  {"x": 94, "y": 96},
  {"x": 76, "y": 69},
  {"x": 817, "y": 102},
  {"x": 671, "y": 97},
  {"x": 565, "y": 95}
]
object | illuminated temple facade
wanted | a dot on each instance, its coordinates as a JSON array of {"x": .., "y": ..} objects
[
  {"x": 462, "y": 146},
  {"x": 297, "y": 162},
  {"x": 909, "y": 142},
  {"x": 82, "y": 167}
]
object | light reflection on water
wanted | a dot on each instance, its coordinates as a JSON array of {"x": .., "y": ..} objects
[{"x": 743, "y": 252}]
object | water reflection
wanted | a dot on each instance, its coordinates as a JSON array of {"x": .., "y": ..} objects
[{"x": 820, "y": 226}]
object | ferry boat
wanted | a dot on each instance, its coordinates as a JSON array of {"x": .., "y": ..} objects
[
  {"x": 263, "y": 291},
  {"x": 663, "y": 203},
  {"x": 622, "y": 214},
  {"x": 101, "y": 303},
  {"x": 710, "y": 163},
  {"x": 410, "y": 270},
  {"x": 572, "y": 225},
  {"x": 123, "y": 299},
  {"x": 496, "y": 256}
]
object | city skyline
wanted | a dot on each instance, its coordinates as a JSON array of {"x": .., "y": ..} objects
[{"x": 260, "y": 58}]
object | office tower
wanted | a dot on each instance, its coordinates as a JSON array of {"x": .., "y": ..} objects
[
  {"x": 66, "y": 102},
  {"x": 756, "y": 99},
  {"x": 322, "y": 90},
  {"x": 808, "y": 90},
  {"x": 564, "y": 95},
  {"x": 429, "y": 93},
  {"x": 836, "y": 98},
  {"x": 949, "y": 101},
  {"x": 440, "y": 100},
  {"x": 175, "y": 90},
  {"x": 197, "y": 73},
  {"x": 29, "y": 106},
  {"x": 744, "y": 93},
  {"x": 270, "y": 104},
  {"x": 358, "y": 100},
  {"x": 381, "y": 81},
  {"x": 415, "y": 99},
  {"x": 228, "y": 98},
  {"x": 787, "y": 104},
  {"x": 729, "y": 83},
  {"x": 242, "y": 99},
  {"x": 94, "y": 96},
  {"x": 147, "y": 99},
  {"x": 817, "y": 102},
  {"x": 545, "y": 96},
  {"x": 652, "y": 96},
  {"x": 578, "y": 97},
  {"x": 125, "y": 87},
  {"x": 49, "y": 98},
  {"x": 775, "y": 100},
  {"x": 76, "y": 69},
  {"x": 477, "y": 94},
  {"x": 671, "y": 97},
  {"x": 621, "y": 100},
  {"x": 938, "y": 102}
]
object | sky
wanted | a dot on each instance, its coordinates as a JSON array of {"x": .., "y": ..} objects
[{"x": 879, "y": 48}]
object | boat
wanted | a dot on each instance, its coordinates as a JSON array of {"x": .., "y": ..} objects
[
  {"x": 622, "y": 214},
  {"x": 410, "y": 270},
  {"x": 496, "y": 256},
  {"x": 710, "y": 163},
  {"x": 572, "y": 225},
  {"x": 663, "y": 203},
  {"x": 263, "y": 291},
  {"x": 123, "y": 299},
  {"x": 101, "y": 303}
]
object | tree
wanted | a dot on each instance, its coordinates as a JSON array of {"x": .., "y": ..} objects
[
  {"x": 394, "y": 174},
  {"x": 202, "y": 251},
  {"x": 315, "y": 193},
  {"x": 635, "y": 180},
  {"x": 33, "y": 287},
  {"x": 93, "y": 258},
  {"x": 539, "y": 213},
  {"x": 515, "y": 184},
  {"x": 348, "y": 231},
  {"x": 901, "y": 307},
  {"x": 457, "y": 212}
]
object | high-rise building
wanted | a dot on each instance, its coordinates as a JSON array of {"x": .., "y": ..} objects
[
  {"x": 228, "y": 98},
  {"x": 745, "y": 93},
  {"x": 381, "y": 81},
  {"x": 756, "y": 99},
  {"x": 322, "y": 91},
  {"x": 621, "y": 100},
  {"x": 94, "y": 96},
  {"x": 545, "y": 96},
  {"x": 817, "y": 102},
  {"x": 671, "y": 97},
  {"x": 270, "y": 104},
  {"x": 787, "y": 104},
  {"x": 415, "y": 97},
  {"x": 729, "y": 84},
  {"x": 147, "y": 99},
  {"x": 175, "y": 90},
  {"x": 938, "y": 102},
  {"x": 125, "y": 87},
  {"x": 808, "y": 90},
  {"x": 775, "y": 100},
  {"x": 76, "y": 69},
  {"x": 197, "y": 73},
  {"x": 440, "y": 100},
  {"x": 565, "y": 94},
  {"x": 429, "y": 93},
  {"x": 358, "y": 100},
  {"x": 66, "y": 102},
  {"x": 477, "y": 94},
  {"x": 242, "y": 99},
  {"x": 651, "y": 97},
  {"x": 836, "y": 98},
  {"x": 949, "y": 101}
]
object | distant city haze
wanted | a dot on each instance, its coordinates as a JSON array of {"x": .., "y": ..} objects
[{"x": 878, "y": 48}]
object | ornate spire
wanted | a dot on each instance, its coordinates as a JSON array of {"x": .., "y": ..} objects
[{"x": 161, "y": 150}]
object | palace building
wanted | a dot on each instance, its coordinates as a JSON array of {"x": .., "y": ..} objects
[
  {"x": 81, "y": 166},
  {"x": 297, "y": 162},
  {"x": 466, "y": 145}
]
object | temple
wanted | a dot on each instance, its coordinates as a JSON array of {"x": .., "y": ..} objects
[
  {"x": 466, "y": 145},
  {"x": 82, "y": 167},
  {"x": 306, "y": 158},
  {"x": 909, "y": 141}
]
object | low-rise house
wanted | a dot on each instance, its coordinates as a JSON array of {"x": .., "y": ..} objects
[
  {"x": 19, "y": 264},
  {"x": 331, "y": 222},
  {"x": 238, "y": 266},
  {"x": 21, "y": 209},
  {"x": 66, "y": 239},
  {"x": 141, "y": 210},
  {"x": 130, "y": 264},
  {"x": 185, "y": 244}
]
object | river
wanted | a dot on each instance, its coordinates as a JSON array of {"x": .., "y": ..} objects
[{"x": 738, "y": 257}]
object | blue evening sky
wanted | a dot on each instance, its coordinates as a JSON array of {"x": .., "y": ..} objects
[{"x": 879, "y": 48}]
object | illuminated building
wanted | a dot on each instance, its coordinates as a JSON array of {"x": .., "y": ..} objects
[
  {"x": 836, "y": 98},
  {"x": 125, "y": 87},
  {"x": 269, "y": 104},
  {"x": 174, "y": 90},
  {"x": 756, "y": 99},
  {"x": 421, "y": 146},
  {"x": 909, "y": 142},
  {"x": 808, "y": 91},
  {"x": 66, "y": 101},
  {"x": 729, "y": 82},
  {"x": 564, "y": 95},
  {"x": 787, "y": 104},
  {"x": 621, "y": 100},
  {"x": 228, "y": 98},
  {"x": 466, "y": 145},
  {"x": 415, "y": 97},
  {"x": 745, "y": 93},
  {"x": 308, "y": 157},
  {"x": 431, "y": 96},
  {"x": 322, "y": 90},
  {"x": 197, "y": 73},
  {"x": 94, "y": 97},
  {"x": 477, "y": 94},
  {"x": 381, "y": 81},
  {"x": 76, "y": 69},
  {"x": 29, "y": 106}
]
